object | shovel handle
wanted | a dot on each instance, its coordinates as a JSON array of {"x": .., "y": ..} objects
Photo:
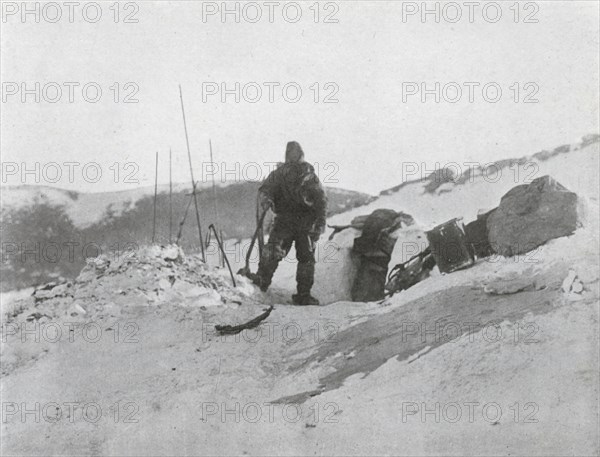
[
  {"x": 255, "y": 236},
  {"x": 212, "y": 227}
]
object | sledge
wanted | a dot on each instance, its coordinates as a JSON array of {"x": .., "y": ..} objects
[{"x": 407, "y": 274}]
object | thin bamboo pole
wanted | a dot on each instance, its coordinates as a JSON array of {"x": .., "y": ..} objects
[
  {"x": 170, "y": 197},
  {"x": 187, "y": 142},
  {"x": 216, "y": 202},
  {"x": 155, "y": 193}
]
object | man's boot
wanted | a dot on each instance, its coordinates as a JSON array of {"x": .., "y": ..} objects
[
  {"x": 257, "y": 279},
  {"x": 267, "y": 266},
  {"x": 305, "y": 300},
  {"x": 305, "y": 276}
]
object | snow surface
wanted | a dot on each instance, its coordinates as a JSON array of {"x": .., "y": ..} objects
[{"x": 342, "y": 379}]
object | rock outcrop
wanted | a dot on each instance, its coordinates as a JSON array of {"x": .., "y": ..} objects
[{"x": 531, "y": 214}]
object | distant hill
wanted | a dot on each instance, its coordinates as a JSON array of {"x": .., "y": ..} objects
[{"x": 48, "y": 232}]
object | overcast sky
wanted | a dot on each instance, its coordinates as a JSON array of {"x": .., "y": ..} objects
[{"x": 367, "y": 56}]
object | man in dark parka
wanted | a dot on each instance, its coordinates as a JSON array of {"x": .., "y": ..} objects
[{"x": 298, "y": 200}]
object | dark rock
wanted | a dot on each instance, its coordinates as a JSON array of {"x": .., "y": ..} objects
[
  {"x": 531, "y": 214},
  {"x": 590, "y": 139},
  {"x": 478, "y": 236},
  {"x": 562, "y": 149},
  {"x": 438, "y": 178}
]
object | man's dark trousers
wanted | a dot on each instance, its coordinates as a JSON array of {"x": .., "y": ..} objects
[{"x": 288, "y": 229}]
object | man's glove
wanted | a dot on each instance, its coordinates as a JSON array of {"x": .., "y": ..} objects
[
  {"x": 266, "y": 203},
  {"x": 317, "y": 230}
]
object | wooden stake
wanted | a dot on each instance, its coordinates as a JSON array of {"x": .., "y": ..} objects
[
  {"x": 192, "y": 176},
  {"x": 170, "y": 197},
  {"x": 212, "y": 227},
  {"x": 155, "y": 192},
  {"x": 183, "y": 219},
  {"x": 216, "y": 203}
]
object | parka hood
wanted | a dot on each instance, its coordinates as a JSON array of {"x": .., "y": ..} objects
[{"x": 294, "y": 153}]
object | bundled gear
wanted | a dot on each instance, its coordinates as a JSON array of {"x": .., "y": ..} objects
[
  {"x": 375, "y": 247},
  {"x": 298, "y": 200},
  {"x": 477, "y": 234},
  {"x": 449, "y": 246}
]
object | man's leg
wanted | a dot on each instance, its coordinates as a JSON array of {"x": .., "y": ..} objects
[
  {"x": 305, "y": 273},
  {"x": 278, "y": 246}
]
